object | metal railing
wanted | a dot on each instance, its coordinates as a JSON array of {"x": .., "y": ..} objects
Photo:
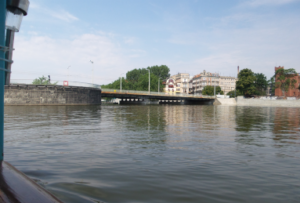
[
  {"x": 83, "y": 84},
  {"x": 166, "y": 94},
  {"x": 55, "y": 82}
]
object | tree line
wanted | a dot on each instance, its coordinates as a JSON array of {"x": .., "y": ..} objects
[
  {"x": 250, "y": 83},
  {"x": 138, "y": 79}
]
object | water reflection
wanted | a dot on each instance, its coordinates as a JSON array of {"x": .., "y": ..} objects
[
  {"x": 286, "y": 126},
  {"x": 168, "y": 153}
]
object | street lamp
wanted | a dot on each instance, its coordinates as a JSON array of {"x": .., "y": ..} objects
[
  {"x": 158, "y": 84},
  {"x": 11, "y": 15},
  {"x": 121, "y": 82},
  {"x": 68, "y": 73},
  {"x": 149, "y": 81},
  {"x": 15, "y": 10},
  {"x": 92, "y": 62}
]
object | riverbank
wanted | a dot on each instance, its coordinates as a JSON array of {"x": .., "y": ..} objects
[
  {"x": 241, "y": 101},
  {"x": 28, "y": 95}
]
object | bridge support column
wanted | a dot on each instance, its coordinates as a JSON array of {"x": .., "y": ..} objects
[
  {"x": 150, "y": 101},
  {"x": 197, "y": 102}
]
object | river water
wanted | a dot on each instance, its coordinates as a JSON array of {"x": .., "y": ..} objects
[{"x": 158, "y": 153}]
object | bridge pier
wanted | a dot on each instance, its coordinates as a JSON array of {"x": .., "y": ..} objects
[
  {"x": 201, "y": 102},
  {"x": 171, "y": 102},
  {"x": 131, "y": 101},
  {"x": 151, "y": 101}
]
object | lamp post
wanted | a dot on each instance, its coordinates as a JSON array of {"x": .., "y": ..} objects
[
  {"x": 92, "y": 62},
  {"x": 121, "y": 82},
  {"x": 214, "y": 88},
  {"x": 149, "y": 82},
  {"x": 16, "y": 9},
  {"x": 158, "y": 84},
  {"x": 11, "y": 15},
  {"x": 68, "y": 74}
]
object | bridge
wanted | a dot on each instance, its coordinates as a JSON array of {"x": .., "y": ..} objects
[
  {"x": 131, "y": 96},
  {"x": 86, "y": 93}
]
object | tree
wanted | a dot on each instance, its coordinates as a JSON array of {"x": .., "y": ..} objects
[
  {"x": 42, "y": 81},
  {"x": 271, "y": 84},
  {"x": 232, "y": 93},
  {"x": 285, "y": 79},
  {"x": 209, "y": 90},
  {"x": 245, "y": 84},
  {"x": 261, "y": 83},
  {"x": 138, "y": 79}
]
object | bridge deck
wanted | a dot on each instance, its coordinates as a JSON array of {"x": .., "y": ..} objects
[{"x": 152, "y": 95}]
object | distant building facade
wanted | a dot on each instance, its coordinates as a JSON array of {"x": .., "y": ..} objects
[
  {"x": 170, "y": 86},
  {"x": 292, "y": 92},
  {"x": 227, "y": 83},
  {"x": 178, "y": 83},
  {"x": 182, "y": 83},
  {"x": 198, "y": 82}
]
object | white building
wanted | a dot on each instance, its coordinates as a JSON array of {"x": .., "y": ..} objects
[
  {"x": 180, "y": 82},
  {"x": 203, "y": 79},
  {"x": 227, "y": 83},
  {"x": 198, "y": 82},
  {"x": 170, "y": 86}
]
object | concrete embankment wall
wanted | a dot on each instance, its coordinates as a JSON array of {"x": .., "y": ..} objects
[
  {"x": 50, "y": 95},
  {"x": 241, "y": 101},
  {"x": 225, "y": 102}
]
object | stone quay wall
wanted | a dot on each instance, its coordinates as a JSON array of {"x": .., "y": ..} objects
[
  {"x": 50, "y": 95},
  {"x": 241, "y": 101}
]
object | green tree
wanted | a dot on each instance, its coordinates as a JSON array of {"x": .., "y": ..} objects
[
  {"x": 209, "y": 90},
  {"x": 245, "y": 84},
  {"x": 42, "y": 81},
  {"x": 271, "y": 84},
  {"x": 261, "y": 83},
  {"x": 232, "y": 93},
  {"x": 285, "y": 79},
  {"x": 138, "y": 79}
]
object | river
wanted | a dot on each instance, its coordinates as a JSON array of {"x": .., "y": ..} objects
[{"x": 158, "y": 153}]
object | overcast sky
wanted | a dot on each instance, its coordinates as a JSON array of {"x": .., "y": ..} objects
[{"x": 188, "y": 36}]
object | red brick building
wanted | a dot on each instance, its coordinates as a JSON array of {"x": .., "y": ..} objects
[{"x": 292, "y": 92}]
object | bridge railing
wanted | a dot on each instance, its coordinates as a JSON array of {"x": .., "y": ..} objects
[
  {"x": 83, "y": 84},
  {"x": 155, "y": 93},
  {"x": 55, "y": 82}
]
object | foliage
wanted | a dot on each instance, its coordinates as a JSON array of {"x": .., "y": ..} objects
[
  {"x": 261, "y": 84},
  {"x": 42, "y": 81},
  {"x": 285, "y": 79},
  {"x": 232, "y": 93},
  {"x": 271, "y": 83},
  {"x": 245, "y": 84},
  {"x": 138, "y": 79},
  {"x": 209, "y": 90}
]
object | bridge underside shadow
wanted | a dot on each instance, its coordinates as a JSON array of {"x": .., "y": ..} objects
[
  {"x": 158, "y": 99},
  {"x": 199, "y": 102}
]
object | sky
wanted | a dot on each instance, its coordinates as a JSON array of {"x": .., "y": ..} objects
[{"x": 60, "y": 38}]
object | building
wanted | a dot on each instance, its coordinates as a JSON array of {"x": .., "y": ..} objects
[
  {"x": 227, "y": 83},
  {"x": 178, "y": 83},
  {"x": 170, "y": 86},
  {"x": 292, "y": 92},
  {"x": 198, "y": 82}
]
